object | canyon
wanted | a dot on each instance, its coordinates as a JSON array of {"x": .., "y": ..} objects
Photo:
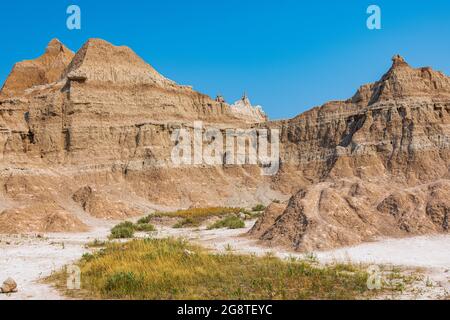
[{"x": 87, "y": 135}]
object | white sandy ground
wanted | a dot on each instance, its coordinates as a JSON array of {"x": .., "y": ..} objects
[{"x": 29, "y": 259}]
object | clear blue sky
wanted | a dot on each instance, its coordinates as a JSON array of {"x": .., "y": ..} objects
[{"x": 288, "y": 55}]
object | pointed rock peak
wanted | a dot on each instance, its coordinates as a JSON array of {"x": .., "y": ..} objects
[
  {"x": 245, "y": 99},
  {"x": 44, "y": 70},
  {"x": 99, "y": 60},
  {"x": 220, "y": 98},
  {"x": 398, "y": 61},
  {"x": 243, "y": 107},
  {"x": 402, "y": 81},
  {"x": 55, "y": 47},
  {"x": 98, "y": 42},
  {"x": 54, "y": 42}
]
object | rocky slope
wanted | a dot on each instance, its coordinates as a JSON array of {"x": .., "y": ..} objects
[{"x": 90, "y": 135}]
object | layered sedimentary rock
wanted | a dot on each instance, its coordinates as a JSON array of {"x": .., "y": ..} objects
[
  {"x": 92, "y": 135},
  {"x": 105, "y": 123},
  {"x": 375, "y": 165}
]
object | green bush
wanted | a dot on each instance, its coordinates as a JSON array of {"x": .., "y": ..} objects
[
  {"x": 124, "y": 230},
  {"x": 230, "y": 222}
]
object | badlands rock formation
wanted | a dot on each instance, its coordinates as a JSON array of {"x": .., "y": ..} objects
[
  {"x": 96, "y": 139},
  {"x": 374, "y": 165},
  {"x": 90, "y": 134}
]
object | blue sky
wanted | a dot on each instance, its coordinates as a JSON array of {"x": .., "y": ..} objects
[{"x": 288, "y": 55}]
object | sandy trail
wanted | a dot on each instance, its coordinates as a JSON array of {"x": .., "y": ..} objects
[{"x": 29, "y": 259}]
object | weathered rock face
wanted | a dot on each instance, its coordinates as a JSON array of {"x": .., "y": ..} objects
[
  {"x": 376, "y": 165},
  {"x": 102, "y": 205},
  {"x": 96, "y": 140},
  {"x": 106, "y": 123}
]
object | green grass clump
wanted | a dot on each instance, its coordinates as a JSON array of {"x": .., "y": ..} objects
[
  {"x": 145, "y": 220},
  {"x": 144, "y": 227},
  {"x": 124, "y": 230},
  {"x": 230, "y": 222},
  {"x": 196, "y": 216},
  {"x": 160, "y": 269},
  {"x": 122, "y": 284},
  {"x": 186, "y": 223},
  {"x": 259, "y": 207}
]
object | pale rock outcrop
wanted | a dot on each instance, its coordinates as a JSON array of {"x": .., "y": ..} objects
[{"x": 244, "y": 108}]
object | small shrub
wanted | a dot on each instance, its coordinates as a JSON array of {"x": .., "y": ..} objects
[
  {"x": 231, "y": 222},
  {"x": 124, "y": 230},
  {"x": 259, "y": 207},
  {"x": 144, "y": 220},
  {"x": 144, "y": 227}
]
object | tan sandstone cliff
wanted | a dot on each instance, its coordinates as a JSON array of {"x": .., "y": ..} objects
[{"x": 104, "y": 124}]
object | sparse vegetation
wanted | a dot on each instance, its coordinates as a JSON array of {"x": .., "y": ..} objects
[
  {"x": 145, "y": 220},
  {"x": 95, "y": 244},
  {"x": 255, "y": 215},
  {"x": 259, "y": 207},
  {"x": 161, "y": 269},
  {"x": 230, "y": 222},
  {"x": 126, "y": 230},
  {"x": 186, "y": 223},
  {"x": 144, "y": 227},
  {"x": 87, "y": 257},
  {"x": 196, "y": 216}
]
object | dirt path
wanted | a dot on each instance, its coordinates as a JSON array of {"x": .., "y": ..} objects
[{"x": 29, "y": 259}]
